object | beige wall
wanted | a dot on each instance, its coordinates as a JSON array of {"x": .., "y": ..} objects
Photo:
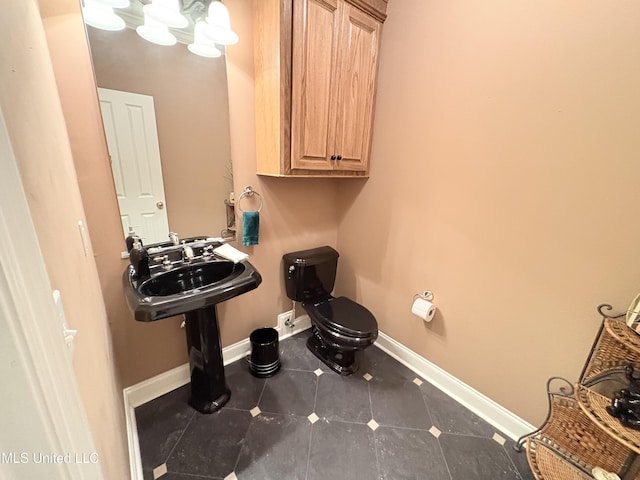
[
  {"x": 192, "y": 115},
  {"x": 504, "y": 178},
  {"x": 287, "y": 223},
  {"x": 36, "y": 127}
]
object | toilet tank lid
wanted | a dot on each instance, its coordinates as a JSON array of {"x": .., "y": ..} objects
[{"x": 312, "y": 256}]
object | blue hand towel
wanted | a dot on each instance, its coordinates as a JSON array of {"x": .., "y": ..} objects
[{"x": 250, "y": 227}]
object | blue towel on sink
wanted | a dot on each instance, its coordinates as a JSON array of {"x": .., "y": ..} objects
[{"x": 250, "y": 227}]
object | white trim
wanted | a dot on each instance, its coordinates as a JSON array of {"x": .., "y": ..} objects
[
  {"x": 498, "y": 416},
  {"x": 141, "y": 393},
  {"x": 135, "y": 462},
  {"x": 235, "y": 351},
  {"x": 300, "y": 324},
  {"x": 154, "y": 387},
  {"x": 42, "y": 411}
]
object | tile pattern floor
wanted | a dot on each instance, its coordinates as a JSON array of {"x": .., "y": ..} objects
[{"x": 309, "y": 423}]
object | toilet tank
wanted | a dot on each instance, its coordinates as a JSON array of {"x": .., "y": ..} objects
[{"x": 309, "y": 275}]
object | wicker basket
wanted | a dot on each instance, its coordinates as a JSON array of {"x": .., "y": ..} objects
[
  {"x": 616, "y": 347},
  {"x": 548, "y": 464},
  {"x": 570, "y": 433},
  {"x": 594, "y": 405},
  {"x": 578, "y": 433}
]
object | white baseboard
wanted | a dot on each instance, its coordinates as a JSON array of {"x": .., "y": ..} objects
[
  {"x": 300, "y": 324},
  {"x": 154, "y": 387},
  {"x": 141, "y": 393},
  {"x": 498, "y": 416}
]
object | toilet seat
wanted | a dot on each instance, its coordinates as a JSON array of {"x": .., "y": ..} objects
[
  {"x": 344, "y": 317},
  {"x": 340, "y": 328}
]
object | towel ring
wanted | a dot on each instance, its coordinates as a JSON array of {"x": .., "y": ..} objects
[{"x": 248, "y": 192}]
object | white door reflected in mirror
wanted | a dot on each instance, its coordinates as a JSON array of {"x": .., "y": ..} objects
[{"x": 132, "y": 139}]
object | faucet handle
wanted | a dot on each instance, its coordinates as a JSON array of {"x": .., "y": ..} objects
[
  {"x": 173, "y": 236},
  {"x": 166, "y": 263},
  {"x": 187, "y": 252}
]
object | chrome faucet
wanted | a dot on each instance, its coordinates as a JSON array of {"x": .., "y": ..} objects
[
  {"x": 187, "y": 253},
  {"x": 173, "y": 236}
]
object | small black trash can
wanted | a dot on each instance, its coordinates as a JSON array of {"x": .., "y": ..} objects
[{"x": 265, "y": 356}]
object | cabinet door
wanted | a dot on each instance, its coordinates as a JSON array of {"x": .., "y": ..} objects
[
  {"x": 356, "y": 73},
  {"x": 316, "y": 26}
]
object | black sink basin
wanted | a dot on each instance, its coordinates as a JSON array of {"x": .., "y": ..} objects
[
  {"x": 192, "y": 288},
  {"x": 187, "y": 287},
  {"x": 189, "y": 278}
]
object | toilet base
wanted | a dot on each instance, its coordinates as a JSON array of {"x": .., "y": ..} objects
[{"x": 341, "y": 362}]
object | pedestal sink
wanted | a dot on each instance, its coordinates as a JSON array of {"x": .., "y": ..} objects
[{"x": 193, "y": 289}]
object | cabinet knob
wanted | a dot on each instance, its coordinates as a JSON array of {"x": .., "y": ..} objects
[
  {"x": 333, "y": 157},
  {"x": 339, "y": 157}
]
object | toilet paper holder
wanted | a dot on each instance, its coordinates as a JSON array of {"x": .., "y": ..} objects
[{"x": 426, "y": 295}]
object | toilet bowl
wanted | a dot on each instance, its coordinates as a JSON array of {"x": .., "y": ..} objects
[{"x": 340, "y": 326}]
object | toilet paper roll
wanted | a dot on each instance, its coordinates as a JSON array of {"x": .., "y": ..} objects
[{"x": 424, "y": 309}]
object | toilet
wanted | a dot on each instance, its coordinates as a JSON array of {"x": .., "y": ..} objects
[{"x": 340, "y": 326}]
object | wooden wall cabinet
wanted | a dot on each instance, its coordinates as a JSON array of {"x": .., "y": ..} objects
[{"x": 316, "y": 65}]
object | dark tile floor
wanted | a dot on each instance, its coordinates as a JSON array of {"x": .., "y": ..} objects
[{"x": 309, "y": 423}]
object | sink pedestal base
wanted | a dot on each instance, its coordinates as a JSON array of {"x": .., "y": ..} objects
[{"x": 209, "y": 391}]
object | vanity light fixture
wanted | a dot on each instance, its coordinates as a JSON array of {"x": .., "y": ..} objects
[
  {"x": 201, "y": 24},
  {"x": 219, "y": 25},
  {"x": 201, "y": 44},
  {"x": 156, "y": 32},
  {"x": 166, "y": 12},
  {"x": 100, "y": 14}
]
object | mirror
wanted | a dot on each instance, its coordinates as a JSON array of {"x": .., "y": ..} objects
[{"x": 189, "y": 105}]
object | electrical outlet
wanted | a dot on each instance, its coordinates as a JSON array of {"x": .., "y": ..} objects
[{"x": 285, "y": 320}]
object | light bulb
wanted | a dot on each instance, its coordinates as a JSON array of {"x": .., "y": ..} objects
[
  {"x": 156, "y": 32},
  {"x": 166, "y": 12},
  {"x": 101, "y": 16},
  {"x": 219, "y": 25},
  {"x": 201, "y": 44}
]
